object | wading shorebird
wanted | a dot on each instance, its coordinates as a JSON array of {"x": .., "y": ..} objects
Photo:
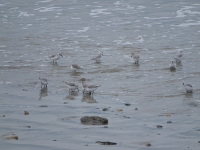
[
  {"x": 88, "y": 88},
  {"x": 56, "y": 57},
  {"x": 188, "y": 88},
  {"x": 178, "y": 57},
  {"x": 73, "y": 87},
  {"x": 98, "y": 57},
  {"x": 136, "y": 58},
  {"x": 172, "y": 66},
  {"x": 76, "y": 67},
  {"x": 44, "y": 82}
]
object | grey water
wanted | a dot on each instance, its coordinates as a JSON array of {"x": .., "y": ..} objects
[{"x": 31, "y": 31}]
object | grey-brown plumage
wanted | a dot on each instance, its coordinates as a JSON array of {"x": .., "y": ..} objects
[
  {"x": 44, "y": 82},
  {"x": 98, "y": 57},
  {"x": 72, "y": 86},
  {"x": 135, "y": 57},
  {"x": 178, "y": 57},
  {"x": 76, "y": 67},
  {"x": 172, "y": 66},
  {"x": 56, "y": 57},
  {"x": 88, "y": 88},
  {"x": 188, "y": 88}
]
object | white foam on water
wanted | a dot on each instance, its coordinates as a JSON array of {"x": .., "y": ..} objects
[
  {"x": 156, "y": 18},
  {"x": 183, "y": 12},
  {"x": 48, "y": 9},
  {"x": 141, "y": 7},
  {"x": 1, "y": 5},
  {"x": 84, "y": 29},
  {"x": 140, "y": 39},
  {"x": 24, "y": 14},
  {"x": 99, "y": 11},
  {"x": 75, "y": 18},
  {"x": 189, "y": 24},
  {"x": 45, "y": 1}
]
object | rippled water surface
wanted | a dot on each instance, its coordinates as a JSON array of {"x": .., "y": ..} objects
[{"x": 33, "y": 30}]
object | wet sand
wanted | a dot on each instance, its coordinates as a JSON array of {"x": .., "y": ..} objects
[{"x": 146, "y": 105}]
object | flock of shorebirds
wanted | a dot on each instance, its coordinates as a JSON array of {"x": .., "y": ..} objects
[
  {"x": 172, "y": 67},
  {"x": 73, "y": 87},
  {"x": 89, "y": 88}
]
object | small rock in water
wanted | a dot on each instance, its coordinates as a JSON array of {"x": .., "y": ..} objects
[
  {"x": 43, "y": 106},
  {"x": 106, "y": 143},
  {"x": 126, "y": 117},
  {"x": 26, "y": 113},
  {"x": 127, "y": 104},
  {"x": 169, "y": 122},
  {"x": 28, "y": 126},
  {"x": 94, "y": 120},
  {"x": 159, "y": 126},
  {"x": 11, "y": 137},
  {"x": 119, "y": 110},
  {"x": 148, "y": 144},
  {"x": 105, "y": 109}
]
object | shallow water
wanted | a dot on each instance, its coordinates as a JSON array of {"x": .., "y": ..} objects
[{"x": 156, "y": 30}]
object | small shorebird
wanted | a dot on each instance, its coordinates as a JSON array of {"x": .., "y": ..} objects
[
  {"x": 178, "y": 57},
  {"x": 72, "y": 86},
  {"x": 135, "y": 57},
  {"x": 98, "y": 57},
  {"x": 188, "y": 88},
  {"x": 172, "y": 66},
  {"x": 76, "y": 67},
  {"x": 44, "y": 82},
  {"x": 88, "y": 88},
  {"x": 56, "y": 57}
]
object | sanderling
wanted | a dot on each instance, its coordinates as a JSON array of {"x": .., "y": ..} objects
[
  {"x": 56, "y": 57},
  {"x": 88, "y": 88},
  {"x": 188, "y": 88},
  {"x": 178, "y": 57},
  {"x": 172, "y": 66},
  {"x": 98, "y": 57},
  {"x": 44, "y": 82},
  {"x": 135, "y": 57},
  {"x": 72, "y": 86},
  {"x": 76, "y": 67}
]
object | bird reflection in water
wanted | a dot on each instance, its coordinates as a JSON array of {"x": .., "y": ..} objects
[
  {"x": 88, "y": 98},
  {"x": 72, "y": 95},
  {"x": 43, "y": 92}
]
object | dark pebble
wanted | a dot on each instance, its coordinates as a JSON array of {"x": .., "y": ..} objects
[
  {"x": 136, "y": 108},
  {"x": 159, "y": 126},
  {"x": 26, "y": 113},
  {"x": 126, "y": 117},
  {"x": 106, "y": 143},
  {"x": 148, "y": 144},
  {"x": 127, "y": 104},
  {"x": 94, "y": 120},
  {"x": 169, "y": 122},
  {"x": 43, "y": 106},
  {"x": 105, "y": 109}
]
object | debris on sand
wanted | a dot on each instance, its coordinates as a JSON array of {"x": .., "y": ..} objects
[{"x": 94, "y": 120}]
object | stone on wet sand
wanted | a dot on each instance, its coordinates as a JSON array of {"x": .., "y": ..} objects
[
  {"x": 94, "y": 120},
  {"x": 11, "y": 137},
  {"x": 106, "y": 143}
]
